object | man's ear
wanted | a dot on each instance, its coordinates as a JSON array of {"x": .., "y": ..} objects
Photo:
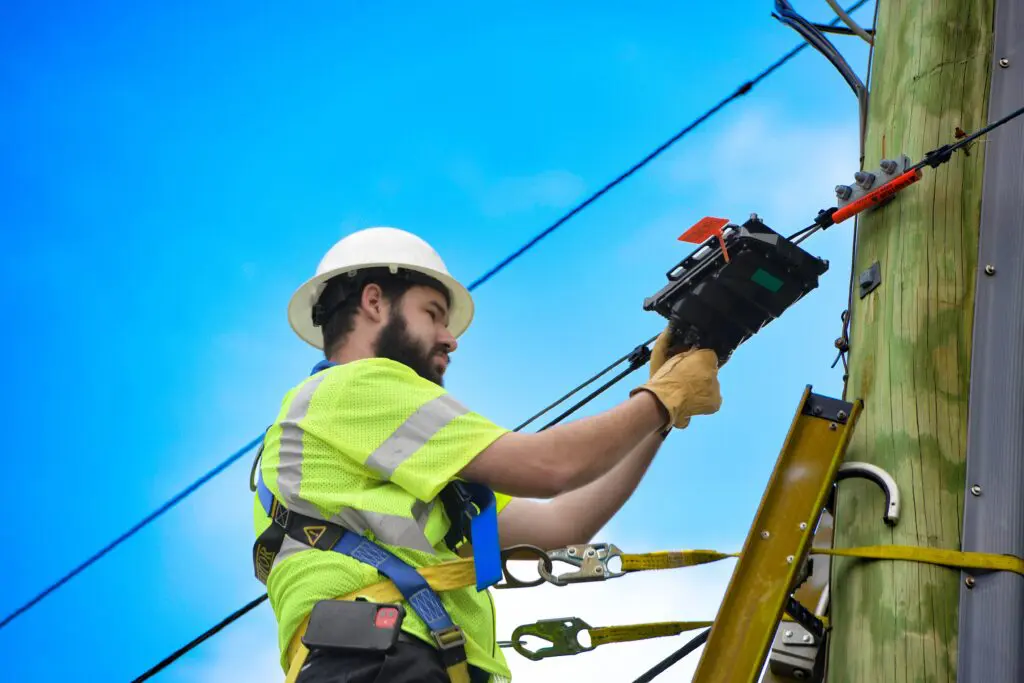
[{"x": 373, "y": 303}]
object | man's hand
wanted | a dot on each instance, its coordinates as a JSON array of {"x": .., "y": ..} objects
[
  {"x": 686, "y": 384},
  {"x": 662, "y": 351}
]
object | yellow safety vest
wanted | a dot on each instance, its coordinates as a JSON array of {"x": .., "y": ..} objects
[{"x": 369, "y": 445}]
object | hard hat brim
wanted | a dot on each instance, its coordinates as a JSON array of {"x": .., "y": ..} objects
[{"x": 300, "y": 307}]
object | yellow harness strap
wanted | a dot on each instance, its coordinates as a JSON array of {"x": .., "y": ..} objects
[
  {"x": 461, "y": 573},
  {"x": 441, "y": 577},
  {"x": 563, "y": 635},
  {"x": 671, "y": 559},
  {"x": 602, "y": 635},
  {"x": 956, "y": 559}
]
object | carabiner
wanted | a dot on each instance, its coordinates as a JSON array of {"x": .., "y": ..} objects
[
  {"x": 510, "y": 581},
  {"x": 591, "y": 559},
  {"x": 561, "y": 633}
]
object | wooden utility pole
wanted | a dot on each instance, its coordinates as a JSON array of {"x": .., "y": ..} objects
[{"x": 911, "y": 344}]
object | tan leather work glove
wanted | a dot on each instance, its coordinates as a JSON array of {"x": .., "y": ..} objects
[
  {"x": 662, "y": 351},
  {"x": 686, "y": 385}
]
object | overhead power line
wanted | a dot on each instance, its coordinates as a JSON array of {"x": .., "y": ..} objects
[
  {"x": 195, "y": 642},
  {"x": 185, "y": 493},
  {"x": 743, "y": 89}
]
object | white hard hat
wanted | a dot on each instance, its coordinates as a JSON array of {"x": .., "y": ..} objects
[{"x": 375, "y": 248}]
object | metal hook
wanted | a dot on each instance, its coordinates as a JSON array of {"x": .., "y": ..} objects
[
  {"x": 884, "y": 480},
  {"x": 563, "y": 634},
  {"x": 591, "y": 559}
]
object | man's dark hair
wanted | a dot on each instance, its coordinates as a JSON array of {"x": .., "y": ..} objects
[{"x": 335, "y": 311}]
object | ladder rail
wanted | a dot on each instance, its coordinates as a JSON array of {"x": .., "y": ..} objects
[{"x": 779, "y": 540}]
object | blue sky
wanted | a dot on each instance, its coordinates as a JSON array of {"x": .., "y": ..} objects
[{"x": 173, "y": 172}]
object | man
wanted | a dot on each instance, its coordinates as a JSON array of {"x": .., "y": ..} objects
[{"x": 372, "y": 448}]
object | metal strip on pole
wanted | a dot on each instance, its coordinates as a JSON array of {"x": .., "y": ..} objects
[{"x": 991, "y": 631}]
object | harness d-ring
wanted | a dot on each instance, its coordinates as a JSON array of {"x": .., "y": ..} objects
[{"x": 510, "y": 581}]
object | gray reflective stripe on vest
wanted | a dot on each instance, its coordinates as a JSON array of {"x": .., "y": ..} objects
[
  {"x": 288, "y": 548},
  {"x": 289, "y": 466},
  {"x": 414, "y": 433},
  {"x": 359, "y": 521},
  {"x": 390, "y": 529}
]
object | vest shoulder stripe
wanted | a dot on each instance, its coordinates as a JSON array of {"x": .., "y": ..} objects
[
  {"x": 289, "y": 465},
  {"x": 414, "y": 433}
]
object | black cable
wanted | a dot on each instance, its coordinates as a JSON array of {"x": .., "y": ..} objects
[
  {"x": 933, "y": 158},
  {"x": 856, "y": 230},
  {"x": 742, "y": 90},
  {"x": 788, "y": 16},
  {"x": 664, "y": 664},
  {"x": 841, "y": 30},
  {"x": 941, "y": 155},
  {"x": 191, "y": 645},
  {"x": 134, "y": 530},
  {"x": 803, "y": 233},
  {"x": 594, "y": 394},
  {"x": 584, "y": 385}
]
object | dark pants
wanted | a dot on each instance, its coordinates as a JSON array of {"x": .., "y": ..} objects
[{"x": 411, "y": 661}]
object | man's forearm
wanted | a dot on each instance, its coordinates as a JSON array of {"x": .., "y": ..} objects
[
  {"x": 575, "y": 516},
  {"x": 593, "y": 446},
  {"x": 587, "y": 509}
]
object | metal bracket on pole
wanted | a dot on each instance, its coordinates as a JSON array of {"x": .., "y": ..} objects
[
  {"x": 864, "y": 182},
  {"x": 797, "y": 654}
]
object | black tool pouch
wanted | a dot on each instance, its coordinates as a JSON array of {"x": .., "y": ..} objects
[{"x": 353, "y": 626}]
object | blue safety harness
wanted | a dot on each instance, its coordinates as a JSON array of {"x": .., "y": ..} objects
[{"x": 472, "y": 511}]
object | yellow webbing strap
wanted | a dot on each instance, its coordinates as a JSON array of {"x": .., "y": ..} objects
[
  {"x": 671, "y": 559},
  {"x": 622, "y": 634},
  {"x": 442, "y": 577},
  {"x": 955, "y": 559},
  {"x": 563, "y": 635},
  {"x": 461, "y": 573}
]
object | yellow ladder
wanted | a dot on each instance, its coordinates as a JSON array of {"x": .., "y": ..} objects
[{"x": 775, "y": 552}]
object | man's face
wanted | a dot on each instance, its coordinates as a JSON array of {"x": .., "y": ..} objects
[{"x": 416, "y": 333}]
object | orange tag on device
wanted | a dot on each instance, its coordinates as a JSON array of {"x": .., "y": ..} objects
[{"x": 705, "y": 228}]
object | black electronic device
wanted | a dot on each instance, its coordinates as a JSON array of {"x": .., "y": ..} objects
[
  {"x": 736, "y": 282},
  {"x": 353, "y": 626}
]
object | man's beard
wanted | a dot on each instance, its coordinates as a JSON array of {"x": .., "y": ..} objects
[{"x": 397, "y": 344}]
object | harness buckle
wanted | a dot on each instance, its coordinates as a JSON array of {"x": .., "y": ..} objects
[
  {"x": 449, "y": 638},
  {"x": 451, "y": 647}
]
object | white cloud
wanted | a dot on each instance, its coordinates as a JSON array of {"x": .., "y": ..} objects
[
  {"x": 762, "y": 163},
  {"x": 765, "y": 163}
]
